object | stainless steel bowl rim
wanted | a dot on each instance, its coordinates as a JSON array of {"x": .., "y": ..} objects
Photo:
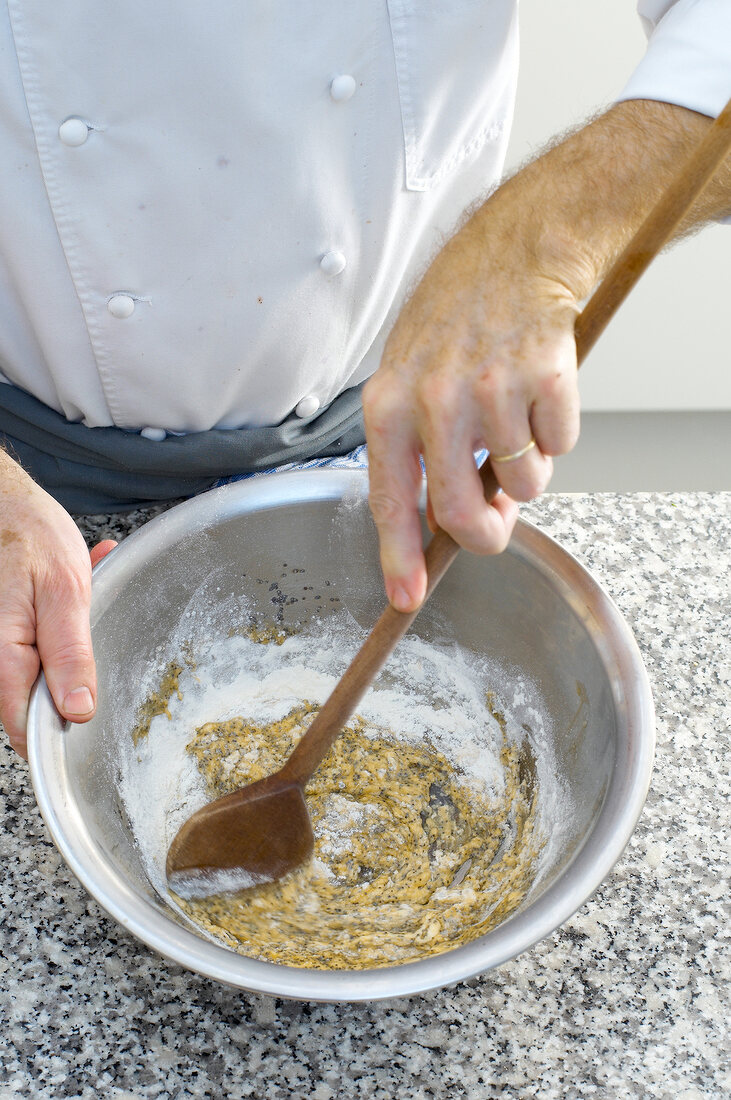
[{"x": 588, "y": 869}]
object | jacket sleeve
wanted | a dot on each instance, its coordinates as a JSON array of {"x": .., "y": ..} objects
[{"x": 688, "y": 58}]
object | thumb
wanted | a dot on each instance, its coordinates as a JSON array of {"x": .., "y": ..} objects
[
  {"x": 101, "y": 550},
  {"x": 63, "y": 640}
]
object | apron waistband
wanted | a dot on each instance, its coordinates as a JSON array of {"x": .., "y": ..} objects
[{"x": 92, "y": 470}]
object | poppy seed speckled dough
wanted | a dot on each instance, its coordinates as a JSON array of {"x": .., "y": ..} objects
[{"x": 410, "y": 859}]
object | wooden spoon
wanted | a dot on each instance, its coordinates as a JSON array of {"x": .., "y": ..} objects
[{"x": 263, "y": 831}]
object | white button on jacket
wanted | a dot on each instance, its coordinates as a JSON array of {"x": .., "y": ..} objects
[
  {"x": 308, "y": 406},
  {"x": 333, "y": 263},
  {"x": 73, "y": 131},
  {"x": 227, "y": 154},
  {"x": 342, "y": 87},
  {"x": 121, "y": 306}
]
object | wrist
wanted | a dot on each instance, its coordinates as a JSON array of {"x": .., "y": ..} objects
[
  {"x": 570, "y": 213},
  {"x": 12, "y": 474}
]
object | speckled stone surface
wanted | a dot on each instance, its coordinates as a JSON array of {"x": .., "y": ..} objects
[{"x": 628, "y": 1000}]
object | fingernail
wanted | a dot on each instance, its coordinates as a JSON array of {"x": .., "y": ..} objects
[
  {"x": 400, "y": 598},
  {"x": 79, "y": 701}
]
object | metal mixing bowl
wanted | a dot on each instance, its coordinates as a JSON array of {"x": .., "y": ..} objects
[{"x": 533, "y": 609}]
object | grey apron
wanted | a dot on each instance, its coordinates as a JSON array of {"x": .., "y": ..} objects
[{"x": 90, "y": 470}]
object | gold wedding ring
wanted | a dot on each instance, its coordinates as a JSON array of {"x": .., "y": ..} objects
[{"x": 515, "y": 454}]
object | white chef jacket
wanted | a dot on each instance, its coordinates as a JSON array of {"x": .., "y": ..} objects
[{"x": 211, "y": 214}]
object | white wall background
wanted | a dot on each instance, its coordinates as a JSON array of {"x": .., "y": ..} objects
[{"x": 669, "y": 347}]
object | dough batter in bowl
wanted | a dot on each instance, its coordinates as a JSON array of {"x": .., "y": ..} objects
[{"x": 410, "y": 858}]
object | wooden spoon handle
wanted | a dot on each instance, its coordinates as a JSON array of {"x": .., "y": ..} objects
[
  {"x": 372, "y": 655},
  {"x": 363, "y": 669},
  {"x": 654, "y": 232}
]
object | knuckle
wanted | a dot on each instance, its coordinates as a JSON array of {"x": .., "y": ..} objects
[
  {"x": 521, "y": 489},
  {"x": 381, "y": 421},
  {"x": 386, "y": 509},
  {"x": 556, "y": 381},
  {"x": 530, "y": 489},
  {"x": 63, "y": 585},
  {"x": 73, "y": 580},
  {"x": 569, "y": 437},
  {"x": 455, "y": 519},
  {"x": 560, "y": 434},
  {"x": 70, "y": 655},
  {"x": 436, "y": 390},
  {"x": 498, "y": 543},
  {"x": 526, "y": 485},
  {"x": 562, "y": 444},
  {"x": 383, "y": 395},
  {"x": 371, "y": 392},
  {"x": 549, "y": 385},
  {"x": 489, "y": 384}
]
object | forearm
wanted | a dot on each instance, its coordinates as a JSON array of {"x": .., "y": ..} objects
[{"x": 573, "y": 209}]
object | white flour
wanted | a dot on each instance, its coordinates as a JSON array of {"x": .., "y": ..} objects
[
  {"x": 425, "y": 691},
  {"x": 205, "y": 883}
]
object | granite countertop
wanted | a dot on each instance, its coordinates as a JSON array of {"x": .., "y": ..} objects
[{"x": 629, "y": 999}]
